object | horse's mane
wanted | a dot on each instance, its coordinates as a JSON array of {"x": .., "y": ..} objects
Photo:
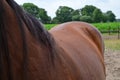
[{"x": 35, "y": 28}]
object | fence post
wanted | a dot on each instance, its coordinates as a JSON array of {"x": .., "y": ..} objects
[
  {"x": 109, "y": 30},
  {"x": 118, "y": 32}
]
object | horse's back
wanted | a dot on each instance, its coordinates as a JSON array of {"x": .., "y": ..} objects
[{"x": 83, "y": 47}]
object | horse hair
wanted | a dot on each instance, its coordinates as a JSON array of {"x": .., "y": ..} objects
[{"x": 35, "y": 28}]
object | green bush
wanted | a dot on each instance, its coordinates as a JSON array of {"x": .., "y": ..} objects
[
  {"x": 99, "y": 26},
  {"x": 107, "y": 26}
]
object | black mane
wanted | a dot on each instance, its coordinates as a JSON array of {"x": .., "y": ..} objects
[{"x": 35, "y": 28}]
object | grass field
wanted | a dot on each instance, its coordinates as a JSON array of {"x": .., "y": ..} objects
[{"x": 112, "y": 44}]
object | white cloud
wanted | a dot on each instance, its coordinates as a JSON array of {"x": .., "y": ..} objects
[{"x": 52, "y": 5}]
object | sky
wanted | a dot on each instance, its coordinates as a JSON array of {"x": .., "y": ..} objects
[{"x": 52, "y": 5}]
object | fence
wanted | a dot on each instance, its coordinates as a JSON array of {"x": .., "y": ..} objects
[{"x": 111, "y": 34}]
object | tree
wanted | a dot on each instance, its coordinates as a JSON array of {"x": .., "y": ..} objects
[
  {"x": 39, "y": 13},
  {"x": 88, "y": 10},
  {"x": 63, "y": 14},
  {"x": 105, "y": 17},
  {"x": 111, "y": 16},
  {"x": 86, "y": 19},
  {"x": 76, "y": 14},
  {"x": 55, "y": 20},
  {"x": 31, "y": 8},
  {"x": 97, "y": 15},
  {"x": 75, "y": 18},
  {"x": 43, "y": 16}
]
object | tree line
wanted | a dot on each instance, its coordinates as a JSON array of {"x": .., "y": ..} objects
[{"x": 89, "y": 13}]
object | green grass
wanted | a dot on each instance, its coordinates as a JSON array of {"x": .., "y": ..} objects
[
  {"x": 112, "y": 44},
  {"x": 49, "y": 26}
]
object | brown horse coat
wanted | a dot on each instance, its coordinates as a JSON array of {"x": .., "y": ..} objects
[{"x": 83, "y": 50}]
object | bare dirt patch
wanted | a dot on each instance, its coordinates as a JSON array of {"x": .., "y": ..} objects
[{"x": 112, "y": 62}]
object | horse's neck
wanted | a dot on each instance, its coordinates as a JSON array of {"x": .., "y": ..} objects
[
  {"x": 38, "y": 63},
  {"x": 22, "y": 46}
]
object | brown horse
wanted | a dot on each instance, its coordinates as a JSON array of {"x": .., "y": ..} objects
[{"x": 70, "y": 51}]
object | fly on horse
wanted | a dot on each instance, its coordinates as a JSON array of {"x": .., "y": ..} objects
[{"x": 70, "y": 51}]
